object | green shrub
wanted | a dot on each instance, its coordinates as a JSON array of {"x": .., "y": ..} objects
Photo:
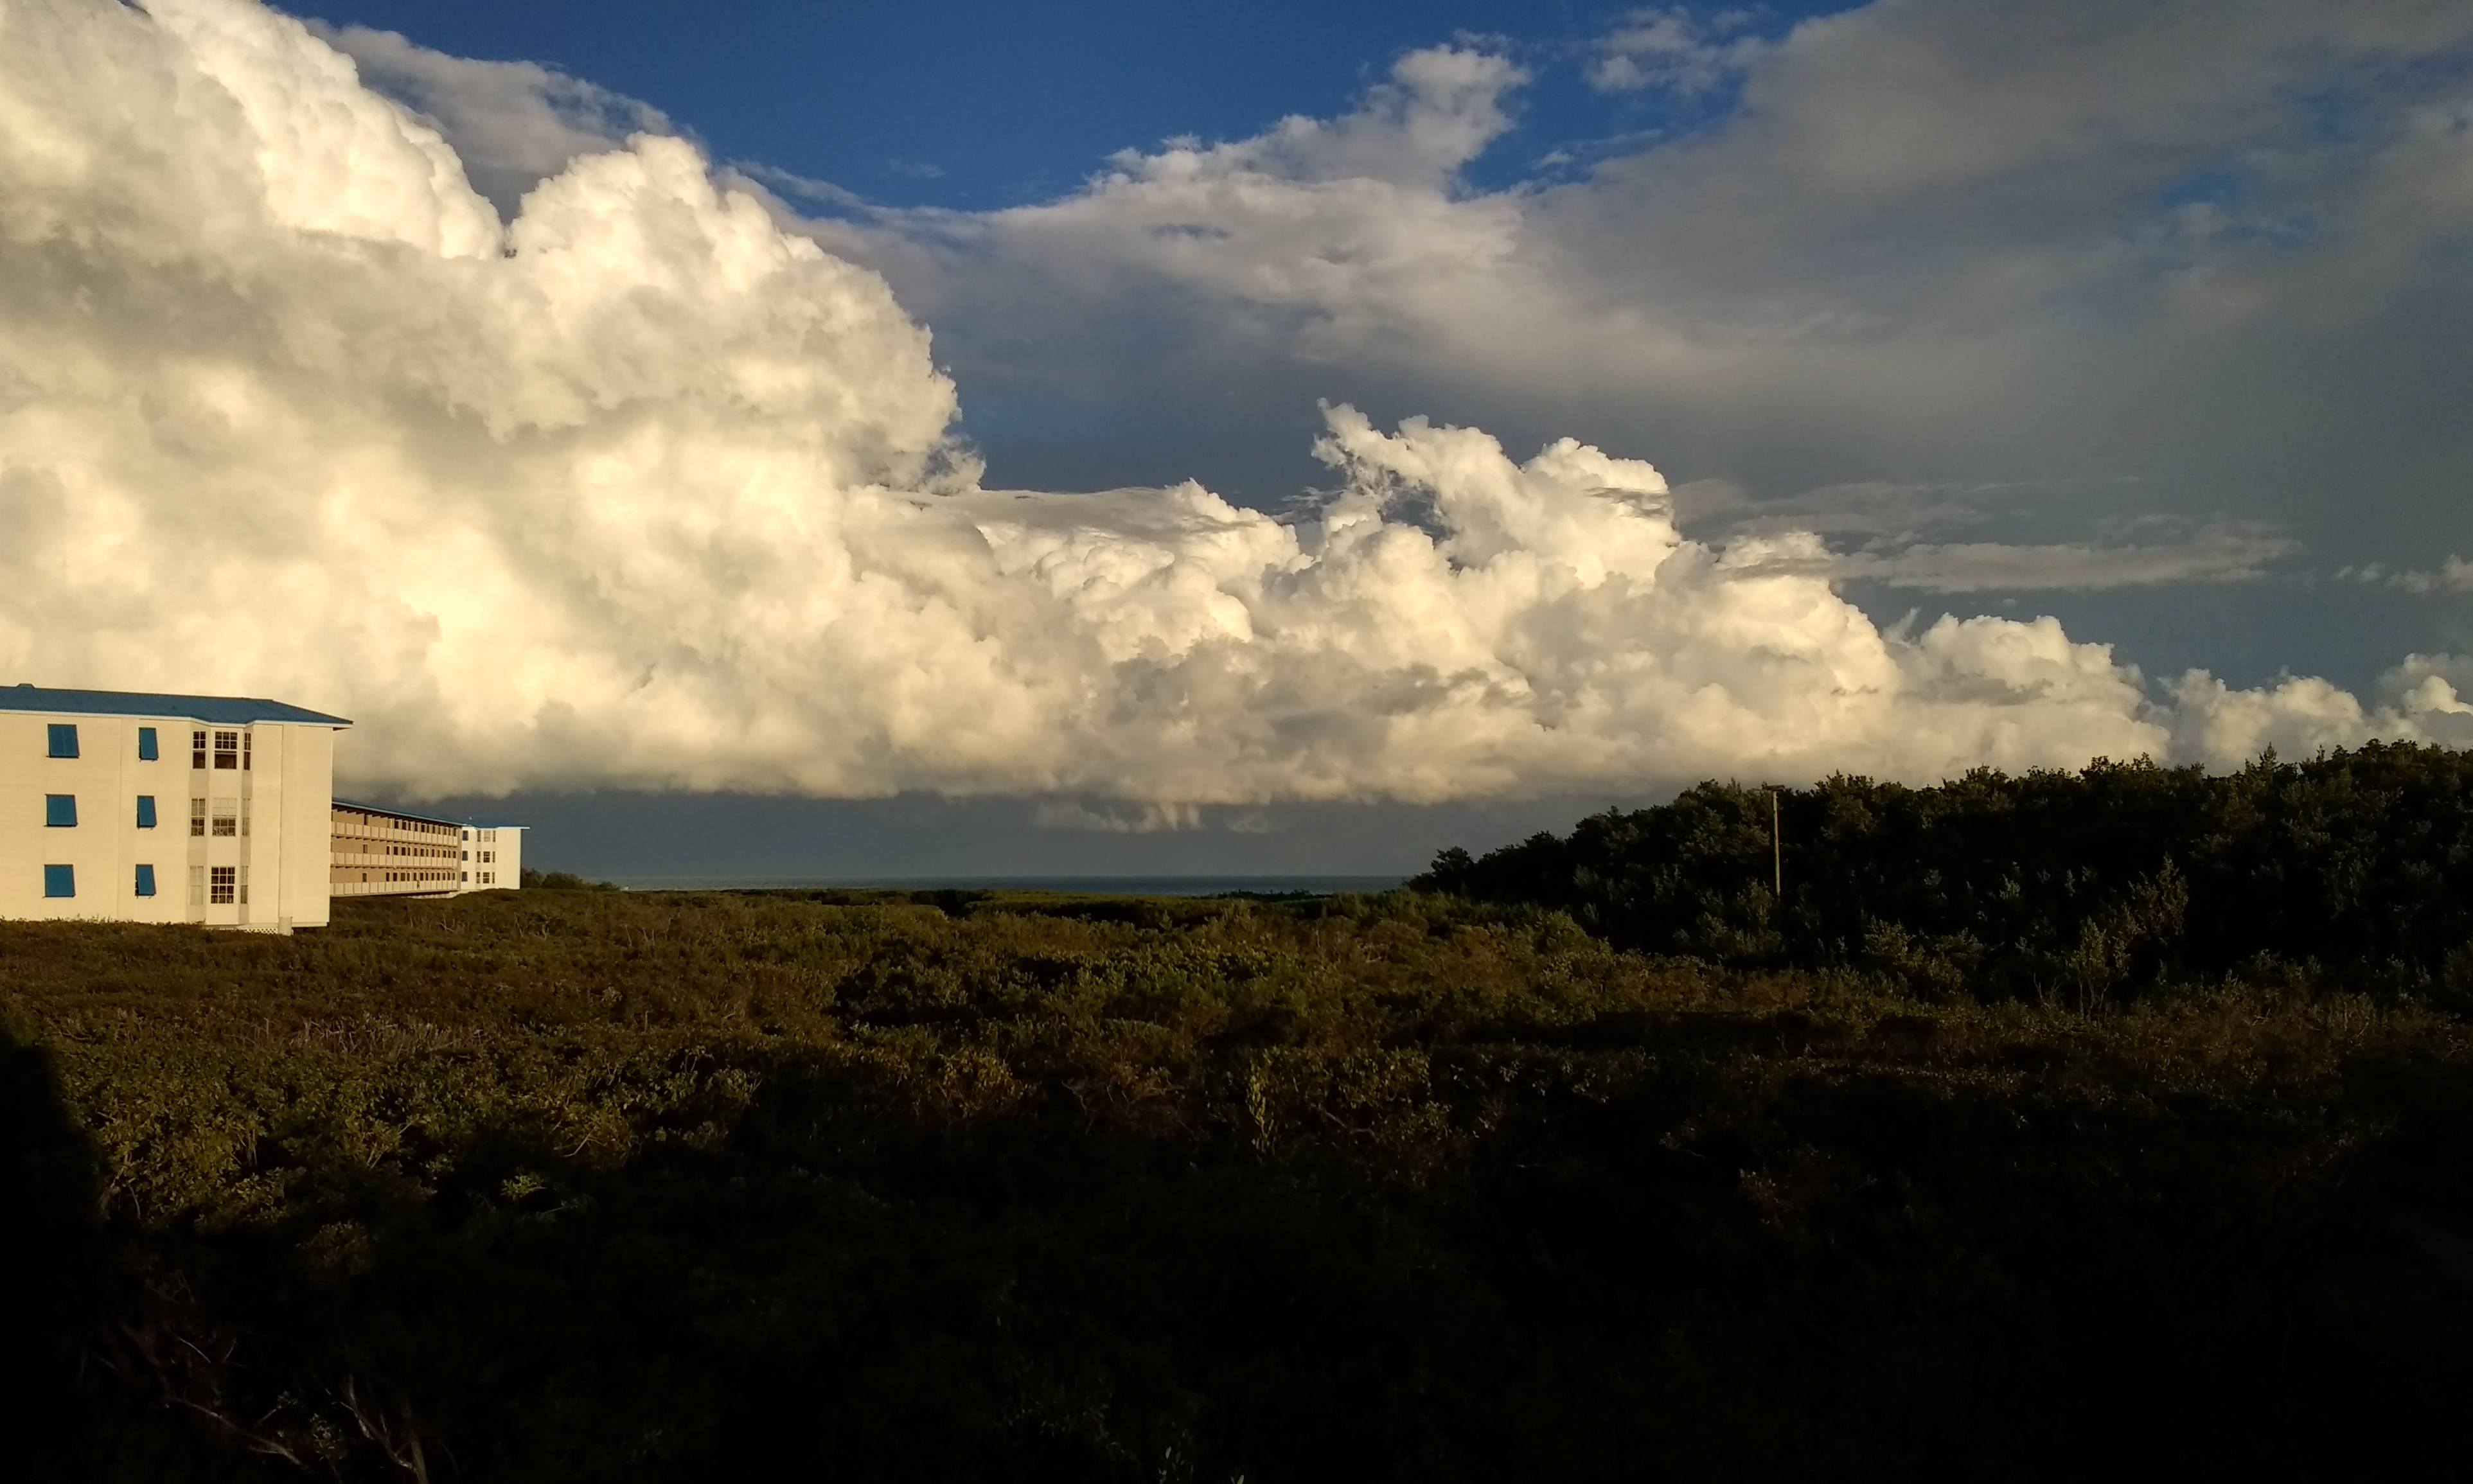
[{"x": 2082, "y": 888}]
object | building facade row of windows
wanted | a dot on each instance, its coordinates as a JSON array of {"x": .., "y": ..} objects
[
  {"x": 222, "y": 818},
  {"x": 225, "y": 817},
  {"x": 398, "y": 850},
  {"x": 227, "y": 750},
  {"x": 356, "y": 825},
  {"x": 232, "y": 750},
  {"x": 216, "y": 885}
]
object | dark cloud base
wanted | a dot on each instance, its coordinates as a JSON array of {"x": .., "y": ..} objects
[{"x": 640, "y": 836}]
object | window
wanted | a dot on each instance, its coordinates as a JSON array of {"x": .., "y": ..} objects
[
  {"x": 226, "y": 817},
  {"x": 197, "y": 816},
  {"x": 60, "y": 880},
  {"x": 244, "y": 818},
  {"x": 64, "y": 739},
  {"x": 197, "y": 886},
  {"x": 246, "y": 738},
  {"x": 146, "y": 749},
  {"x": 146, "y": 811},
  {"x": 228, "y": 750},
  {"x": 220, "y": 882},
  {"x": 197, "y": 750},
  {"x": 145, "y": 880},
  {"x": 59, "y": 811}
]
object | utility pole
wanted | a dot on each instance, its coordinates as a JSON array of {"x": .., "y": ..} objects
[{"x": 1777, "y": 851}]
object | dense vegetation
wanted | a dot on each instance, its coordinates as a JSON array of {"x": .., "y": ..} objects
[
  {"x": 575, "y": 1184},
  {"x": 2085, "y": 889}
]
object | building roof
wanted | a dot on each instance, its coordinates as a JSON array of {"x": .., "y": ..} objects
[
  {"x": 214, "y": 711},
  {"x": 390, "y": 812}
]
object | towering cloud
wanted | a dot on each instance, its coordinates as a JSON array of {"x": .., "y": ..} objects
[{"x": 644, "y": 487}]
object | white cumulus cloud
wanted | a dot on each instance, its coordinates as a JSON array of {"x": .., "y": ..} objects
[
  {"x": 1667, "y": 47},
  {"x": 2453, "y": 575},
  {"x": 641, "y": 487}
]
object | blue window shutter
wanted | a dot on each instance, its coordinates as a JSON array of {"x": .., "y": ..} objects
[
  {"x": 64, "y": 739},
  {"x": 59, "y": 811},
  {"x": 145, "y": 880},
  {"x": 146, "y": 813},
  {"x": 146, "y": 752},
  {"x": 60, "y": 880}
]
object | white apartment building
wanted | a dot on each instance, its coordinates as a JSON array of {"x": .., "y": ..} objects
[
  {"x": 493, "y": 857},
  {"x": 379, "y": 851},
  {"x": 158, "y": 809}
]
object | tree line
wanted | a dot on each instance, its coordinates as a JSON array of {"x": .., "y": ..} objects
[{"x": 2085, "y": 889}]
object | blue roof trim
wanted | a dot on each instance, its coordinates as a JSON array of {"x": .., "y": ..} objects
[{"x": 214, "y": 711}]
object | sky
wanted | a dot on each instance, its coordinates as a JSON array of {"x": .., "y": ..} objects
[
  {"x": 939, "y": 439},
  {"x": 981, "y": 106}
]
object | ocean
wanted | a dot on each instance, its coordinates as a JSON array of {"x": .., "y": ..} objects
[{"x": 1094, "y": 886}]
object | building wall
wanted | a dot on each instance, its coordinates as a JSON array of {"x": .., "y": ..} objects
[
  {"x": 377, "y": 853},
  {"x": 493, "y": 859},
  {"x": 208, "y": 820},
  {"x": 305, "y": 785}
]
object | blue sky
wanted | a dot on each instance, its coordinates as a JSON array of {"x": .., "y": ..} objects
[{"x": 982, "y": 104}]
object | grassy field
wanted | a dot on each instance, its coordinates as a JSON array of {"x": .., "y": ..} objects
[{"x": 572, "y": 1184}]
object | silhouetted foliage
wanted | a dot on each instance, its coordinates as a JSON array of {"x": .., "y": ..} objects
[
  {"x": 2082, "y": 888},
  {"x": 572, "y": 1186},
  {"x": 47, "y": 1197},
  {"x": 561, "y": 881}
]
